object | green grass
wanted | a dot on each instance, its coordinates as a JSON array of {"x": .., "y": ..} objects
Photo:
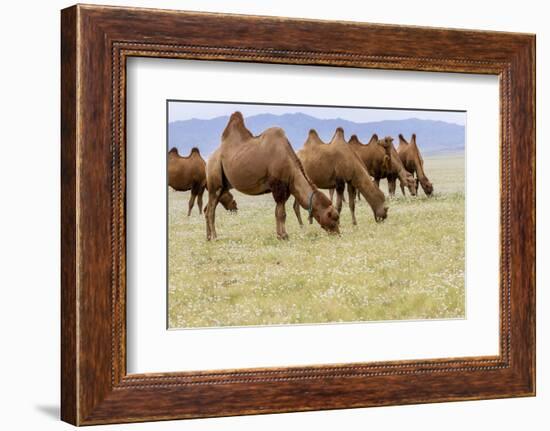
[{"x": 409, "y": 267}]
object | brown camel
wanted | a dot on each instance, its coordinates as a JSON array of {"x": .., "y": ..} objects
[
  {"x": 382, "y": 161},
  {"x": 256, "y": 165},
  {"x": 334, "y": 165},
  {"x": 189, "y": 173},
  {"x": 410, "y": 156}
]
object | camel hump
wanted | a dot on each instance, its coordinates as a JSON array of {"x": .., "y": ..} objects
[
  {"x": 338, "y": 134},
  {"x": 373, "y": 138},
  {"x": 402, "y": 139},
  {"x": 413, "y": 138},
  {"x": 236, "y": 116},
  {"x": 196, "y": 151},
  {"x": 275, "y": 131},
  {"x": 173, "y": 151},
  {"x": 236, "y": 123},
  {"x": 354, "y": 140},
  {"x": 313, "y": 138}
]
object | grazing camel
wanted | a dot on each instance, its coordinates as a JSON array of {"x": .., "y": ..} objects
[
  {"x": 410, "y": 156},
  {"x": 256, "y": 165},
  {"x": 189, "y": 173},
  {"x": 382, "y": 161},
  {"x": 334, "y": 165}
]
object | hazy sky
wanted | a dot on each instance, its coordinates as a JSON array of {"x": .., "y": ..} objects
[{"x": 187, "y": 110}]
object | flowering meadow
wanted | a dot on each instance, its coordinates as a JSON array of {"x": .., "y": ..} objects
[{"x": 411, "y": 266}]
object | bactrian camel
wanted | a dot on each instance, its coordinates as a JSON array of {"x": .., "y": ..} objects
[
  {"x": 410, "y": 156},
  {"x": 256, "y": 165},
  {"x": 382, "y": 161},
  {"x": 334, "y": 165},
  {"x": 189, "y": 173}
]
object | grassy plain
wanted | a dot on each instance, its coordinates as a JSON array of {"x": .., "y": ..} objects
[{"x": 411, "y": 266}]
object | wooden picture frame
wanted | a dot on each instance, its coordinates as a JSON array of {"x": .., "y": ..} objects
[{"x": 95, "y": 43}]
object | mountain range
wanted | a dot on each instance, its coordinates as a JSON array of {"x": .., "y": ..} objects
[{"x": 432, "y": 136}]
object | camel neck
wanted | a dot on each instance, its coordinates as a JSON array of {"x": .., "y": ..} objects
[
  {"x": 419, "y": 169},
  {"x": 301, "y": 189},
  {"x": 367, "y": 188}
]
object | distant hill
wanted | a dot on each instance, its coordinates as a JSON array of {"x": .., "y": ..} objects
[{"x": 432, "y": 136}]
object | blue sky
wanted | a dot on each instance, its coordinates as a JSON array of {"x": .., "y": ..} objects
[{"x": 178, "y": 111}]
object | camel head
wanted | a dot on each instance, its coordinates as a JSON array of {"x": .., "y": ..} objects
[
  {"x": 228, "y": 202},
  {"x": 386, "y": 142},
  {"x": 377, "y": 201},
  {"x": 323, "y": 211},
  {"x": 426, "y": 186}
]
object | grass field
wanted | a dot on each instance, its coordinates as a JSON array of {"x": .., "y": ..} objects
[{"x": 411, "y": 266}]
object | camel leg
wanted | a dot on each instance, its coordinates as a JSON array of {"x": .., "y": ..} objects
[
  {"x": 280, "y": 216},
  {"x": 339, "y": 196},
  {"x": 402, "y": 185},
  {"x": 296, "y": 207},
  {"x": 213, "y": 199},
  {"x": 281, "y": 193},
  {"x": 377, "y": 182},
  {"x": 340, "y": 186},
  {"x": 391, "y": 186},
  {"x": 199, "y": 201},
  {"x": 351, "y": 194},
  {"x": 191, "y": 203}
]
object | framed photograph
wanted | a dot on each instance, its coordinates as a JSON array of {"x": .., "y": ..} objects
[{"x": 263, "y": 214}]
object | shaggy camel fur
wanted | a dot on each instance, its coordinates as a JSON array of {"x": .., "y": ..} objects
[
  {"x": 334, "y": 165},
  {"x": 189, "y": 173},
  {"x": 382, "y": 161},
  {"x": 410, "y": 156},
  {"x": 256, "y": 165}
]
